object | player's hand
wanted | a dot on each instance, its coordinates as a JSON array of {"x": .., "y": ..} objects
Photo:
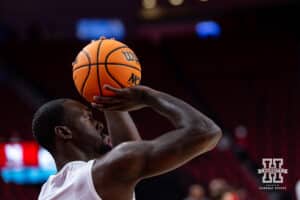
[{"x": 125, "y": 99}]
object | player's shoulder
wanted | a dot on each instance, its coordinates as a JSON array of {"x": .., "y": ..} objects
[
  {"x": 72, "y": 174},
  {"x": 122, "y": 163},
  {"x": 123, "y": 152}
]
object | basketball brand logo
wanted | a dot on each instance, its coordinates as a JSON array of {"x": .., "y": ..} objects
[
  {"x": 134, "y": 79},
  {"x": 130, "y": 56},
  {"x": 272, "y": 170}
]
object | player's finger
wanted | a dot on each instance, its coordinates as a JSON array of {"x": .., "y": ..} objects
[
  {"x": 115, "y": 108},
  {"x": 104, "y": 107},
  {"x": 97, "y": 106},
  {"x": 113, "y": 89},
  {"x": 101, "y": 99},
  {"x": 110, "y": 105}
]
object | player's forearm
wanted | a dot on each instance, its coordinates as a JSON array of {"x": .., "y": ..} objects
[
  {"x": 121, "y": 127},
  {"x": 181, "y": 114},
  {"x": 194, "y": 135}
]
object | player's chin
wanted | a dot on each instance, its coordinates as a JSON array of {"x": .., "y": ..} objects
[{"x": 104, "y": 148}]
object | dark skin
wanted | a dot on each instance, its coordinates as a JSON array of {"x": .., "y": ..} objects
[{"x": 116, "y": 172}]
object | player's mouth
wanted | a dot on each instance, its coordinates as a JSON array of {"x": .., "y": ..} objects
[
  {"x": 104, "y": 134},
  {"x": 107, "y": 140}
]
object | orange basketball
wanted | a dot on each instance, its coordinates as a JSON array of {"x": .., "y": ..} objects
[{"x": 105, "y": 61}]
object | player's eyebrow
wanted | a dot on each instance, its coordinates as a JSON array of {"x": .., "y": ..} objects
[{"x": 87, "y": 111}]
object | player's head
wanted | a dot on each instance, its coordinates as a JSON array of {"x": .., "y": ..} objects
[
  {"x": 65, "y": 121},
  {"x": 196, "y": 192}
]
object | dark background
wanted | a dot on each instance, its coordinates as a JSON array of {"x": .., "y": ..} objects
[{"x": 248, "y": 77}]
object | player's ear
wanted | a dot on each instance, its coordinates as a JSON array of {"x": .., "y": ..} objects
[{"x": 63, "y": 132}]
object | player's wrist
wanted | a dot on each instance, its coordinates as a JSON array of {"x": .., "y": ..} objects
[{"x": 149, "y": 96}]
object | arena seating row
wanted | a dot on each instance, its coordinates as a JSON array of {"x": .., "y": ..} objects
[
  {"x": 15, "y": 114},
  {"x": 253, "y": 83}
]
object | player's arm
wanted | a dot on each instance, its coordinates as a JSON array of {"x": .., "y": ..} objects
[
  {"x": 121, "y": 127},
  {"x": 194, "y": 134}
]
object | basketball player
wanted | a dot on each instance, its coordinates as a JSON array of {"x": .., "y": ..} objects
[{"x": 90, "y": 169}]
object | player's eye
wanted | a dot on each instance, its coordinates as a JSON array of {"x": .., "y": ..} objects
[{"x": 90, "y": 116}]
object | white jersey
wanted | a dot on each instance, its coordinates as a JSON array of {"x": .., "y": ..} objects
[{"x": 73, "y": 181}]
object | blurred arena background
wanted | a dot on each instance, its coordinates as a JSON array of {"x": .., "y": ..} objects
[{"x": 237, "y": 61}]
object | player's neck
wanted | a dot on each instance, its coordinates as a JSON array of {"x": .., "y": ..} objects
[{"x": 69, "y": 152}]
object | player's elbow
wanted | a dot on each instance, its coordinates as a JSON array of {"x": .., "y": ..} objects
[
  {"x": 214, "y": 139},
  {"x": 209, "y": 138}
]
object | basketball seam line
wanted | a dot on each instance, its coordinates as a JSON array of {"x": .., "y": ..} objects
[
  {"x": 106, "y": 68},
  {"x": 109, "y": 63},
  {"x": 87, "y": 76},
  {"x": 97, "y": 67}
]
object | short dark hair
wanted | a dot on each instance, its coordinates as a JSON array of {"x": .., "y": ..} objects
[{"x": 48, "y": 116}]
